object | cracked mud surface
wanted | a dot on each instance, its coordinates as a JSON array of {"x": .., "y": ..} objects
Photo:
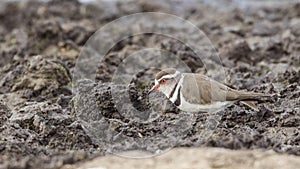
[{"x": 39, "y": 44}]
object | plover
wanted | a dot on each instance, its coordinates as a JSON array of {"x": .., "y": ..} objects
[{"x": 193, "y": 92}]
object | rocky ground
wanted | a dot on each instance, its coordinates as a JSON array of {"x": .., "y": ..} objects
[{"x": 40, "y": 42}]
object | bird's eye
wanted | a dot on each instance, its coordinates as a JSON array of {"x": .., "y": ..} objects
[{"x": 163, "y": 81}]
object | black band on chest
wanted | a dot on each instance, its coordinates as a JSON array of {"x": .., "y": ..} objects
[
  {"x": 178, "y": 101},
  {"x": 173, "y": 90}
]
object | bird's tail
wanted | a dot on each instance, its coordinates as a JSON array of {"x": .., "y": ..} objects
[
  {"x": 254, "y": 95},
  {"x": 248, "y": 98}
]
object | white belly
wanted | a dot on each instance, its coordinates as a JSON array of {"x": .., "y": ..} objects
[{"x": 214, "y": 106}]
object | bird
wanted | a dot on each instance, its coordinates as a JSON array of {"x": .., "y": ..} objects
[{"x": 193, "y": 92}]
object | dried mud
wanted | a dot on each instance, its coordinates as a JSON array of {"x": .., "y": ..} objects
[{"x": 39, "y": 44}]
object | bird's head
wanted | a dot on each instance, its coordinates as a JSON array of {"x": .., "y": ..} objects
[{"x": 166, "y": 80}]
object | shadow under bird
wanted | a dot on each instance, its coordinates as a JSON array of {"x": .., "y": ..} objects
[{"x": 193, "y": 92}]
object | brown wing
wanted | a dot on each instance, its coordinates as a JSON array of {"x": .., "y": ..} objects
[{"x": 198, "y": 88}]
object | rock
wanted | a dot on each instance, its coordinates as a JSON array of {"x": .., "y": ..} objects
[
  {"x": 5, "y": 113},
  {"x": 209, "y": 158},
  {"x": 238, "y": 51},
  {"x": 40, "y": 75},
  {"x": 295, "y": 26},
  {"x": 265, "y": 28}
]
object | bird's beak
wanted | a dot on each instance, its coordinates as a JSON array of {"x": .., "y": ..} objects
[{"x": 155, "y": 87}]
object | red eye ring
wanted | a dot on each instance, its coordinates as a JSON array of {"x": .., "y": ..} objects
[{"x": 163, "y": 81}]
